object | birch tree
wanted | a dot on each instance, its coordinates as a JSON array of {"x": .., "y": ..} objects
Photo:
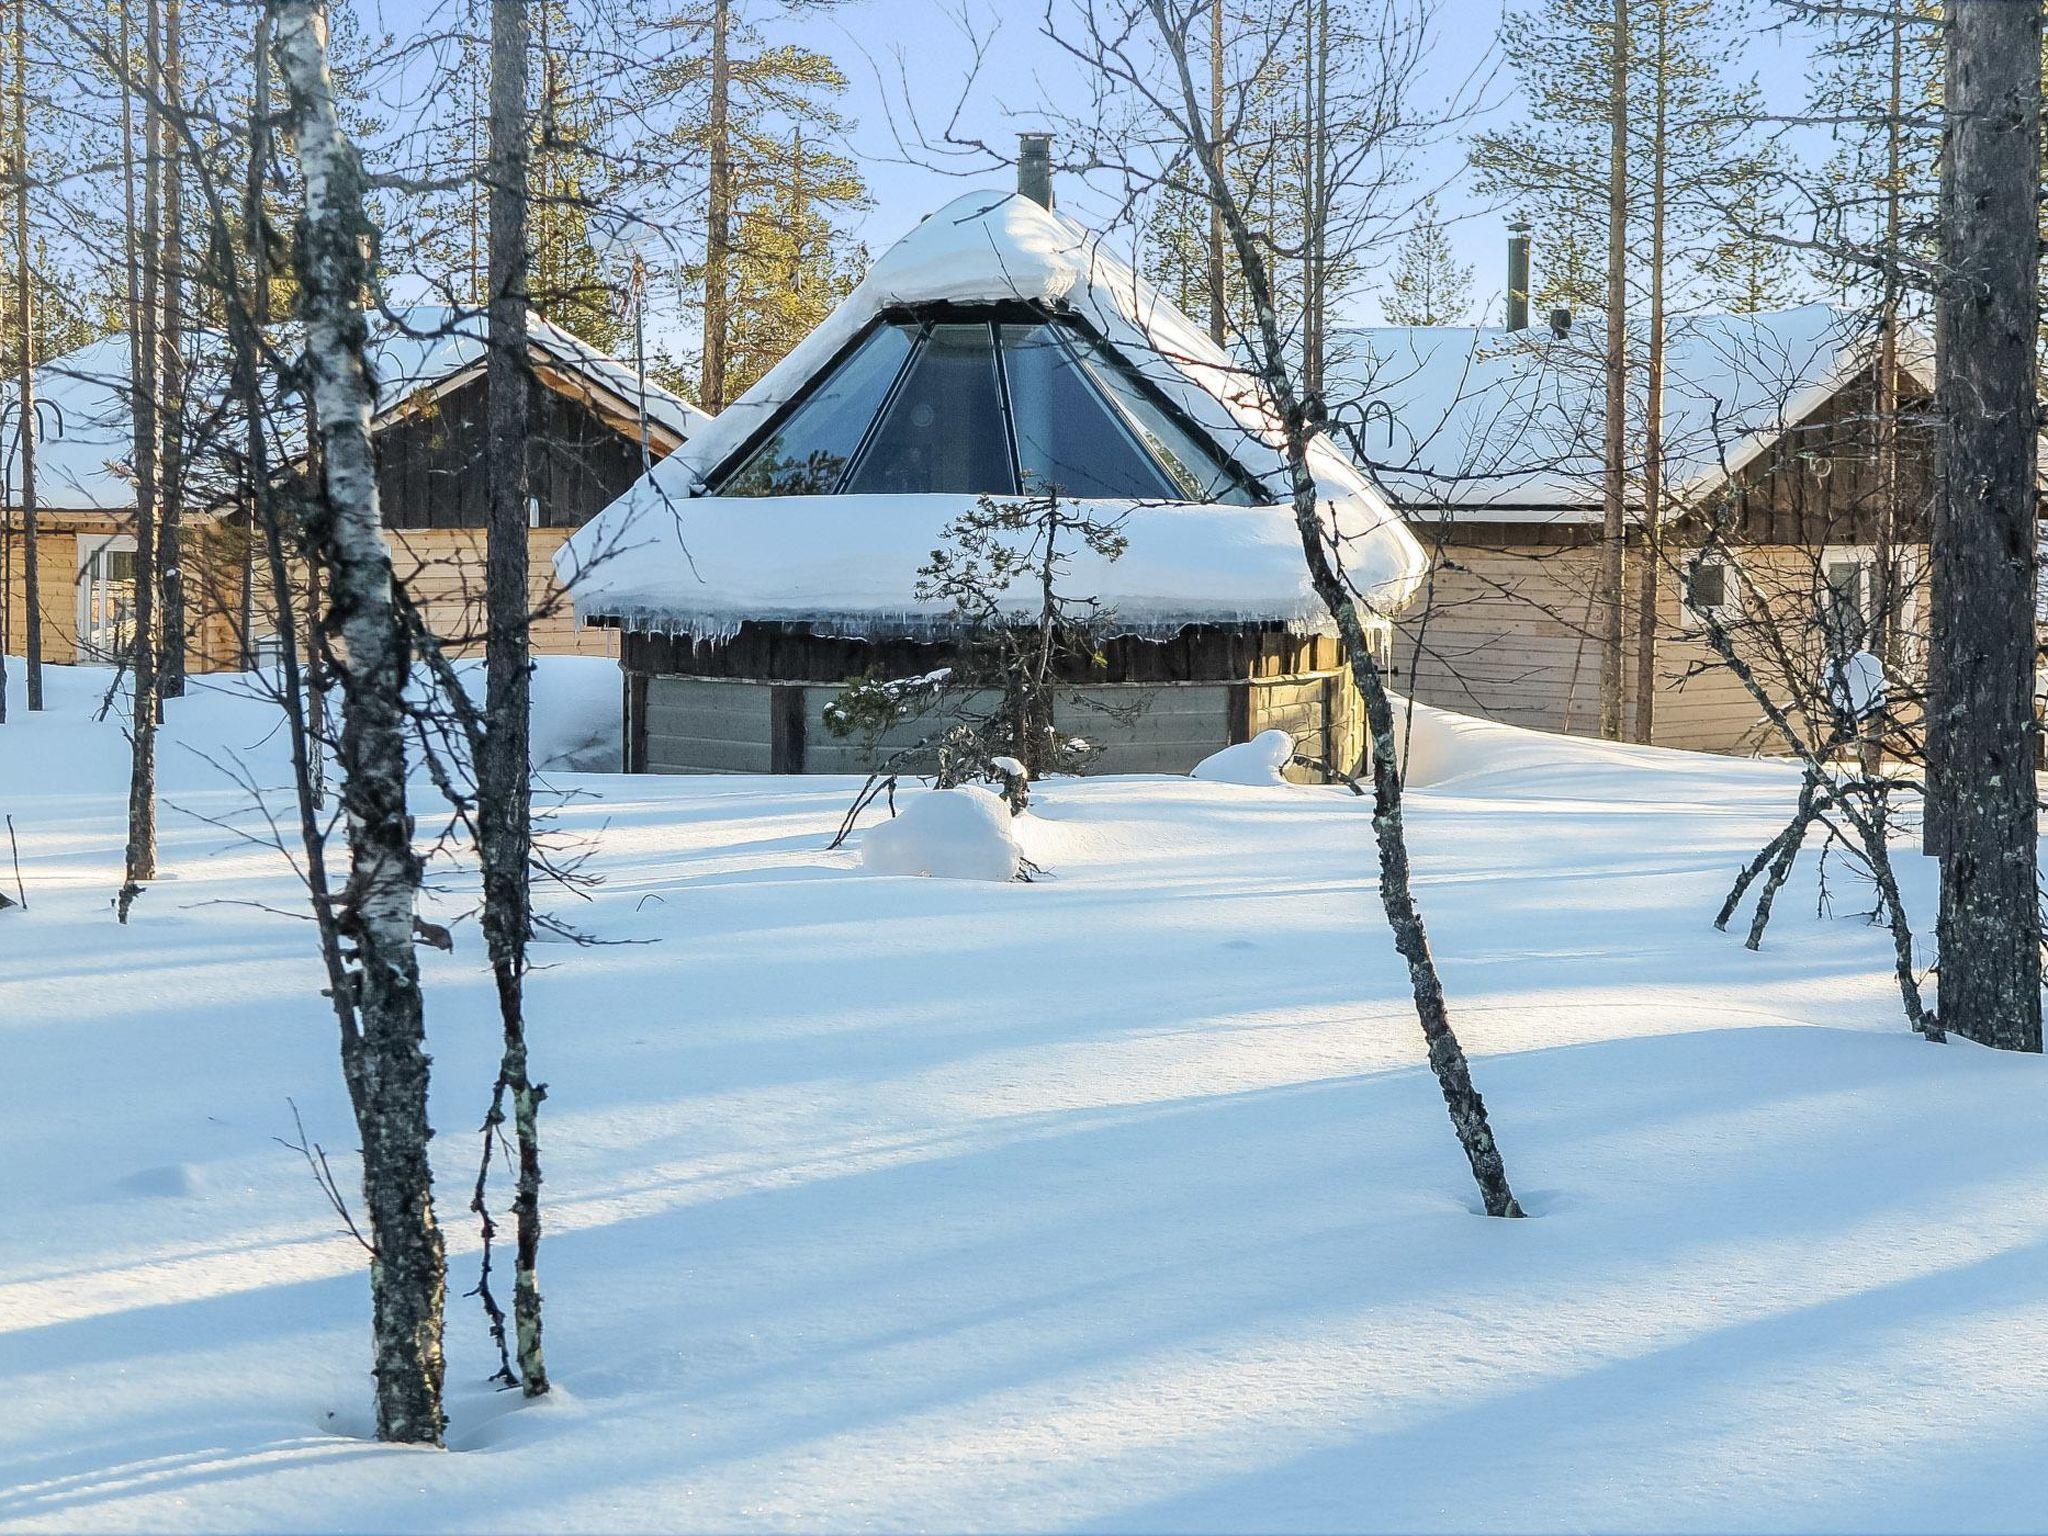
[{"x": 384, "y": 1054}]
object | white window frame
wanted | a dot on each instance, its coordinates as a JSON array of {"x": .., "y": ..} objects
[
  {"x": 94, "y": 590},
  {"x": 1864, "y": 558}
]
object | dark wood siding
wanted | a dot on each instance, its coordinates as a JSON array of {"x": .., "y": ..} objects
[
  {"x": 430, "y": 462},
  {"x": 787, "y": 653}
]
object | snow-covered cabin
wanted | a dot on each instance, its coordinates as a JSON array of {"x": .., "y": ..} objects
[
  {"x": 590, "y": 418},
  {"x": 998, "y": 349},
  {"x": 1490, "y": 441}
]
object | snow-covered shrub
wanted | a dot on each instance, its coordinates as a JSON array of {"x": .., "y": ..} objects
[{"x": 954, "y": 834}]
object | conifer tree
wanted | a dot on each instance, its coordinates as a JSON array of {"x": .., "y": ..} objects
[
  {"x": 1428, "y": 285},
  {"x": 760, "y": 115}
]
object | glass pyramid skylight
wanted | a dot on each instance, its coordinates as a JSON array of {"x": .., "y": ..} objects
[{"x": 983, "y": 406}]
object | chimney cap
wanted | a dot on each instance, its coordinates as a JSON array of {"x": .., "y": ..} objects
[{"x": 1034, "y": 167}]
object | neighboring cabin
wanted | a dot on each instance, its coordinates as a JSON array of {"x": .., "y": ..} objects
[
  {"x": 586, "y": 449},
  {"x": 1494, "y": 455}
]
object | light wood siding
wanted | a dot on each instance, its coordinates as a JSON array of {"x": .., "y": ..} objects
[
  {"x": 1508, "y": 633},
  {"x": 443, "y": 568},
  {"x": 56, "y": 589}
]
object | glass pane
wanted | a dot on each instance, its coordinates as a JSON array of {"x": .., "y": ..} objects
[
  {"x": 1069, "y": 438},
  {"x": 944, "y": 430},
  {"x": 1193, "y": 468},
  {"x": 808, "y": 452}
]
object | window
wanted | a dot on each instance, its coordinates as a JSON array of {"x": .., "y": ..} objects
[
  {"x": 807, "y": 453},
  {"x": 1846, "y": 601},
  {"x": 106, "y": 597},
  {"x": 995, "y": 403},
  {"x": 1711, "y": 589},
  {"x": 943, "y": 428},
  {"x": 1069, "y": 437},
  {"x": 1194, "y": 470}
]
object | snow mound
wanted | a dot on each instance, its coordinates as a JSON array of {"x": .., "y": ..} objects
[
  {"x": 576, "y": 721},
  {"x": 954, "y": 834},
  {"x": 1857, "y": 684},
  {"x": 1257, "y": 761}
]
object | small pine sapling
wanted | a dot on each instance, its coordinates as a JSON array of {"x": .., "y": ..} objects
[{"x": 1002, "y": 567}]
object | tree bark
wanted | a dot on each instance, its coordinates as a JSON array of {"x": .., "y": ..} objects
[
  {"x": 1219, "y": 319},
  {"x": 387, "y": 1068},
  {"x": 170, "y": 560},
  {"x": 1614, "y": 481},
  {"x": 26, "y": 424},
  {"x": 504, "y": 774},
  {"x": 1446, "y": 1056},
  {"x": 142, "y": 388},
  {"x": 1989, "y": 927},
  {"x": 718, "y": 223},
  {"x": 1651, "y": 576},
  {"x": 255, "y": 462}
]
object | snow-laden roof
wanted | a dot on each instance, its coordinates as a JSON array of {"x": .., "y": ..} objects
[
  {"x": 82, "y": 461},
  {"x": 667, "y": 557},
  {"x": 430, "y": 346},
  {"x": 1507, "y": 424},
  {"x": 87, "y": 435}
]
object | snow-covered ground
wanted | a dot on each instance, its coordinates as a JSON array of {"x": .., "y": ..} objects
[{"x": 1120, "y": 1199}]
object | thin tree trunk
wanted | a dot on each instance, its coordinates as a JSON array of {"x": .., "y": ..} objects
[
  {"x": 387, "y": 1068},
  {"x": 1651, "y": 576},
  {"x": 1989, "y": 927},
  {"x": 1219, "y": 319},
  {"x": 1446, "y": 1056},
  {"x": 26, "y": 424},
  {"x": 718, "y": 227},
  {"x": 171, "y": 389},
  {"x": 504, "y": 776},
  {"x": 1885, "y": 402},
  {"x": 142, "y": 385},
  {"x": 255, "y": 462},
  {"x": 1614, "y": 483}
]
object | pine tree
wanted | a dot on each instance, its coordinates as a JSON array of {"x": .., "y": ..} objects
[
  {"x": 1428, "y": 285},
  {"x": 760, "y": 114},
  {"x": 791, "y": 263}
]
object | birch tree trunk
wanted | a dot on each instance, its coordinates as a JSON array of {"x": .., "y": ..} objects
[
  {"x": 142, "y": 391},
  {"x": 387, "y": 1065},
  {"x": 504, "y": 776},
  {"x": 1989, "y": 924},
  {"x": 26, "y": 423},
  {"x": 1219, "y": 319},
  {"x": 1614, "y": 484}
]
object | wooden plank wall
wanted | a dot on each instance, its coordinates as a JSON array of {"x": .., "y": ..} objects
[
  {"x": 56, "y": 584},
  {"x": 1509, "y": 635},
  {"x": 444, "y": 570}
]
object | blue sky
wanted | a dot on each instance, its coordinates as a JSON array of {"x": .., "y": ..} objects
[{"x": 915, "y": 55}]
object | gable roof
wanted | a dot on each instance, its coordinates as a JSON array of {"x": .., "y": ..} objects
[
  {"x": 432, "y": 348},
  {"x": 1506, "y": 426},
  {"x": 665, "y": 556},
  {"x": 82, "y": 456}
]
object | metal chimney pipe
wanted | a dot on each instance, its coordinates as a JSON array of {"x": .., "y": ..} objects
[
  {"x": 1518, "y": 277},
  {"x": 1034, "y": 167}
]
